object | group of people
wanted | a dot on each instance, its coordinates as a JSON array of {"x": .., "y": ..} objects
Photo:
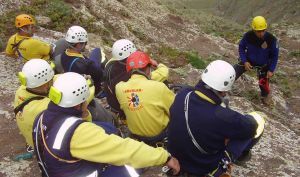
[{"x": 192, "y": 132}]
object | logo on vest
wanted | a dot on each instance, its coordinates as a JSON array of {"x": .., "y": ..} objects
[
  {"x": 134, "y": 102},
  {"x": 264, "y": 45}
]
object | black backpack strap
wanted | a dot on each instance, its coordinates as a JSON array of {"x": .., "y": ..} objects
[
  {"x": 15, "y": 47},
  {"x": 22, "y": 105}
]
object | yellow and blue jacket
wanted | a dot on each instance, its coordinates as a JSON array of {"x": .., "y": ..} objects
[{"x": 26, "y": 117}]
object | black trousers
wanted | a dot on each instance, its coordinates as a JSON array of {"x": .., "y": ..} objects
[{"x": 261, "y": 73}]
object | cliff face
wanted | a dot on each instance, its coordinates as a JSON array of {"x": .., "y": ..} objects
[{"x": 164, "y": 29}]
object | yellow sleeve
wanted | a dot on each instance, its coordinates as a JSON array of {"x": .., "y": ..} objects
[
  {"x": 92, "y": 94},
  {"x": 91, "y": 143},
  {"x": 9, "y": 51},
  {"x": 161, "y": 73},
  {"x": 168, "y": 99},
  {"x": 43, "y": 48}
]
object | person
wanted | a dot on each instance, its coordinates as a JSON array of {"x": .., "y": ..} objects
[
  {"x": 115, "y": 72},
  {"x": 145, "y": 102},
  {"x": 31, "y": 97},
  {"x": 22, "y": 44},
  {"x": 72, "y": 60},
  {"x": 259, "y": 49},
  {"x": 204, "y": 136},
  {"x": 66, "y": 145}
]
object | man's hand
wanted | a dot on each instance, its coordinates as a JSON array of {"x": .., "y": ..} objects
[
  {"x": 154, "y": 63},
  {"x": 248, "y": 66},
  {"x": 174, "y": 165},
  {"x": 84, "y": 109},
  {"x": 269, "y": 74}
]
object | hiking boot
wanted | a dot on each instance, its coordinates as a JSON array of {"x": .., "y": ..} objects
[
  {"x": 267, "y": 100},
  {"x": 244, "y": 157}
]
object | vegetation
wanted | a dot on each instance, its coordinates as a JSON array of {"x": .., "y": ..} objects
[
  {"x": 251, "y": 95},
  {"x": 62, "y": 16},
  {"x": 191, "y": 57},
  {"x": 295, "y": 53},
  {"x": 210, "y": 24}
]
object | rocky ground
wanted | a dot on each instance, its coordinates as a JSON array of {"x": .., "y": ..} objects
[{"x": 151, "y": 25}]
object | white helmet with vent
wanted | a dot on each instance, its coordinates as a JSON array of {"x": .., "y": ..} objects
[
  {"x": 35, "y": 73},
  {"x": 76, "y": 34},
  {"x": 122, "y": 49},
  {"x": 69, "y": 89},
  {"x": 219, "y": 75}
]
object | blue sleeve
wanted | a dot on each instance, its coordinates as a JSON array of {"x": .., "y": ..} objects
[
  {"x": 274, "y": 56},
  {"x": 234, "y": 125},
  {"x": 242, "y": 49},
  {"x": 86, "y": 66},
  {"x": 95, "y": 72}
]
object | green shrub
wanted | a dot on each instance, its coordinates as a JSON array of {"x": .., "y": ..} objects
[
  {"x": 251, "y": 95},
  {"x": 295, "y": 53},
  {"x": 195, "y": 60},
  {"x": 169, "y": 52}
]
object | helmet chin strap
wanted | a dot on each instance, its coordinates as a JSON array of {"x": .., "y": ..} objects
[{"x": 224, "y": 99}]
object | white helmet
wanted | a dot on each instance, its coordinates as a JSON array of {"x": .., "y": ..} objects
[
  {"x": 69, "y": 89},
  {"x": 35, "y": 73},
  {"x": 76, "y": 34},
  {"x": 122, "y": 49},
  {"x": 219, "y": 75}
]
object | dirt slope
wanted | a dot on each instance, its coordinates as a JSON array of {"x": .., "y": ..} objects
[{"x": 150, "y": 25}]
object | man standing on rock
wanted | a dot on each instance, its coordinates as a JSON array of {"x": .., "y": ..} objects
[
  {"x": 259, "y": 50},
  {"x": 22, "y": 44}
]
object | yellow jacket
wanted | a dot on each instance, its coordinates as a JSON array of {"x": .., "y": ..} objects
[
  {"x": 29, "y": 48},
  {"x": 26, "y": 117},
  {"x": 146, "y": 104},
  {"x": 91, "y": 143}
]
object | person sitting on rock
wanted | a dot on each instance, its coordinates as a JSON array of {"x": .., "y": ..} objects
[
  {"x": 72, "y": 60},
  {"x": 66, "y": 145},
  {"x": 259, "y": 49},
  {"x": 22, "y": 44},
  {"x": 115, "y": 72},
  {"x": 145, "y": 102},
  {"x": 31, "y": 98},
  {"x": 203, "y": 135}
]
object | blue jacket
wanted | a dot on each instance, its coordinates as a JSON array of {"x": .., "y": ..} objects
[
  {"x": 251, "y": 50},
  {"x": 210, "y": 124},
  {"x": 82, "y": 66}
]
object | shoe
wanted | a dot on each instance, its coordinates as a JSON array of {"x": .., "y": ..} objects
[
  {"x": 244, "y": 157},
  {"x": 267, "y": 100},
  {"x": 225, "y": 175}
]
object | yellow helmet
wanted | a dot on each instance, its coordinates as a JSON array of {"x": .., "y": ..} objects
[
  {"x": 259, "y": 23},
  {"x": 24, "y": 19}
]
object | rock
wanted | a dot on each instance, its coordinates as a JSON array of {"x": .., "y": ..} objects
[{"x": 42, "y": 20}]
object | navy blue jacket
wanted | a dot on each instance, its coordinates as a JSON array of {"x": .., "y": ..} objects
[
  {"x": 251, "y": 50},
  {"x": 82, "y": 66},
  {"x": 210, "y": 124}
]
